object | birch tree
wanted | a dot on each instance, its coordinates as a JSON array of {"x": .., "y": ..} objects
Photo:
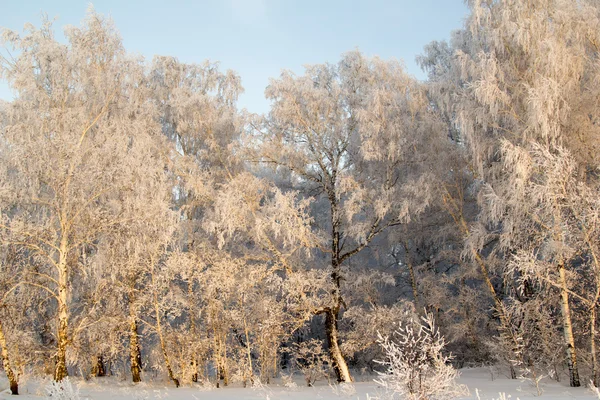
[
  {"x": 75, "y": 122},
  {"x": 521, "y": 80},
  {"x": 9, "y": 272},
  {"x": 269, "y": 232},
  {"x": 557, "y": 216},
  {"x": 352, "y": 134}
]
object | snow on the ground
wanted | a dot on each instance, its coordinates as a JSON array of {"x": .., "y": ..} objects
[{"x": 475, "y": 378}]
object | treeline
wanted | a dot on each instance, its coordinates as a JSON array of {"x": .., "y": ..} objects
[{"x": 148, "y": 226}]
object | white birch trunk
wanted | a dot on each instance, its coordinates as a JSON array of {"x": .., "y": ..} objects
[{"x": 568, "y": 330}]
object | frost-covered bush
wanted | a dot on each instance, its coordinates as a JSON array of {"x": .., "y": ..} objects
[
  {"x": 416, "y": 368},
  {"x": 594, "y": 389},
  {"x": 311, "y": 360},
  {"x": 343, "y": 389},
  {"x": 288, "y": 381},
  {"x": 63, "y": 390}
]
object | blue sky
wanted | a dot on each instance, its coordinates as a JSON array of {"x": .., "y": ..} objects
[{"x": 258, "y": 38}]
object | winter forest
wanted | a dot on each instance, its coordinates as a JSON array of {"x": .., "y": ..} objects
[{"x": 370, "y": 224}]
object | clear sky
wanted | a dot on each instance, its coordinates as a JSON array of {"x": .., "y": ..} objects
[{"x": 258, "y": 38}]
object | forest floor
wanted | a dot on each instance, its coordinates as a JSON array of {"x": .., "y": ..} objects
[{"x": 481, "y": 379}]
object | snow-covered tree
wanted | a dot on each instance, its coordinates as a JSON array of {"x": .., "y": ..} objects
[
  {"x": 353, "y": 136},
  {"x": 9, "y": 279},
  {"x": 78, "y": 128},
  {"x": 520, "y": 82},
  {"x": 269, "y": 234}
]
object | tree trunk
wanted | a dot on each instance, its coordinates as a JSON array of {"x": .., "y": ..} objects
[
  {"x": 167, "y": 361},
  {"x": 12, "y": 378},
  {"x": 193, "y": 361},
  {"x": 60, "y": 371},
  {"x": 224, "y": 367},
  {"x": 61, "y": 355},
  {"x": 274, "y": 366},
  {"x": 339, "y": 363},
  {"x": 568, "y": 330},
  {"x": 135, "y": 355},
  {"x": 248, "y": 351},
  {"x": 513, "y": 372},
  {"x": 161, "y": 338},
  {"x": 219, "y": 352},
  {"x": 593, "y": 346},
  {"x": 194, "y": 368},
  {"x": 459, "y": 219},
  {"x": 331, "y": 316},
  {"x": 411, "y": 271},
  {"x": 98, "y": 368},
  {"x": 216, "y": 351},
  {"x": 504, "y": 321},
  {"x": 221, "y": 355}
]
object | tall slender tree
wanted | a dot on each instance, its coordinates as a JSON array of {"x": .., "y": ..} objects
[
  {"x": 352, "y": 133},
  {"x": 520, "y": 81},
  {"x": 78, "y": 127}
]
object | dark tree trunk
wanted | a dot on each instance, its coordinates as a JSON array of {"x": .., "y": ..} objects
[
  {"x": 331, "y": 316},
  {"x": 135, "y": 355},
  {"x": 12, "y": 378},
  {"x": 98, "y": 368},
  {"x": 340, "y": 367}
]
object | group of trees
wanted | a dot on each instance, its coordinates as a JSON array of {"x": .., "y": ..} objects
[{"x": 148, "y": 226}]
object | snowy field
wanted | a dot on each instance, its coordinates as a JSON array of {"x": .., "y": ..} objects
[{"x": 477, "y": 378}]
